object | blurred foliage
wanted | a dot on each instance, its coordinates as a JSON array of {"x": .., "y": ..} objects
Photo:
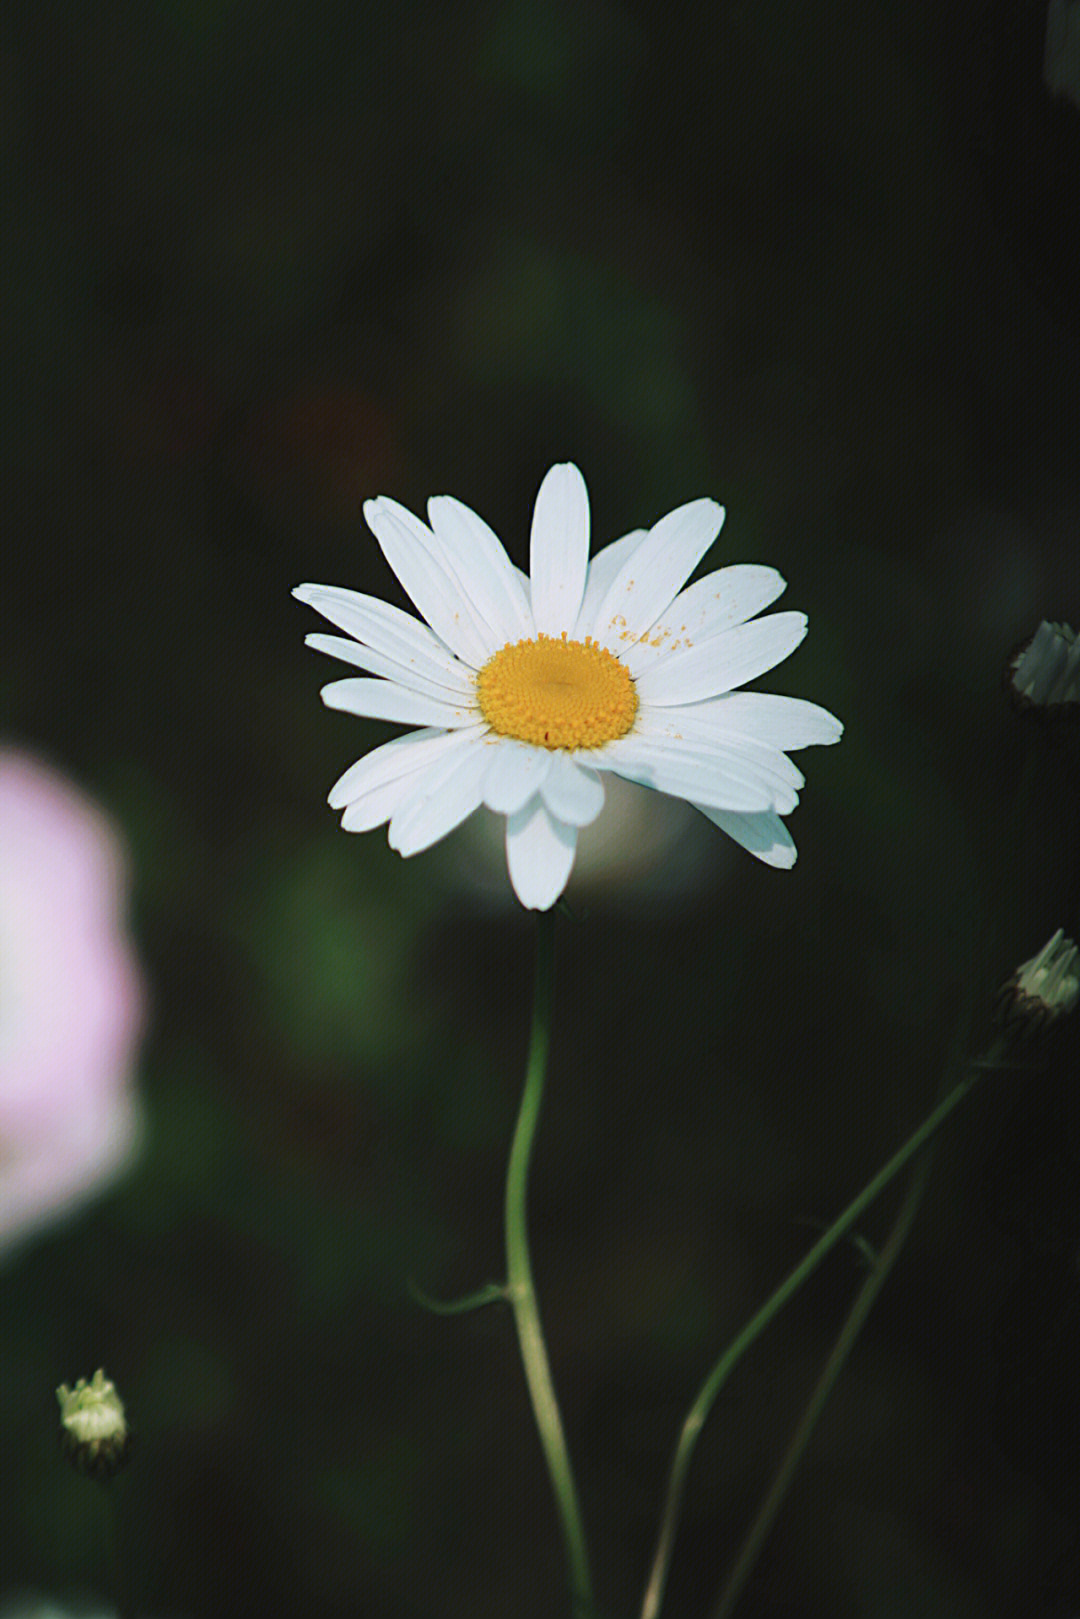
[{"x": 265, "y": 261}]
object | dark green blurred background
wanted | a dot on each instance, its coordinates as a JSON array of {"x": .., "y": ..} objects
[{"x": 818, "y": 261}]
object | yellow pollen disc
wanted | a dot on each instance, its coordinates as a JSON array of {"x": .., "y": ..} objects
[{"x": 557, "y": 693}]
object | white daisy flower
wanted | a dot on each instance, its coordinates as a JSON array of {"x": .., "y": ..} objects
[{"x": 526, "y": 689}]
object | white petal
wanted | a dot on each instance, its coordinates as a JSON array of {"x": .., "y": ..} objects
[
  {"x": 685, "y": 726},
  {"x": 377, "y": 806},
  {"x": 711, "y": 773},
  {"x": 388, "y": 630},
  {"x": 423, "y": 570},
  {"x": 717, "y": 602},
  {"x": 602, "y": 570},
  {"x": 648, "y": 582},
  {"x": 573, "y": 793},
  {"x": 782, "y": 722},
  {"x": 444, "y": 797},
  {"x": 539, "y": 855},
  {"x": 386, "y": 789},
  {"x": 515, "y": 773},
  {"x": 559, "y": 549},
  {"x": 391, "y": 760},
  {"x": 363, "y": 657},
  {"x": 765, "y": 836},
  {"x": 481, "y": 563},
  {"x": 383, "y": 700},
  {"x": 723, "y": 662}
]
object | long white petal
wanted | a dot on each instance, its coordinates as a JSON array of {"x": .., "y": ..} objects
[
  {"x": 717, "y": 602},
  {"x": 559, "y": 549},
  {"x": 602, "y": 570},
  {"x": 650, "y": 579},
  {"x": 781, "y": 722},
  {"x": 383, "y": 700},
  {"x": 420, "y": 564},
  {"x": 712, "y": 773},
  {"x": 685, "y": 728},
  {"x": 481, "y": 563},
  {"x": 572, "y": 792},
  {"x": 396, "y": 634},
  {"x": 402, "y": 774},
  {"x": 394, "y": 759},
  {"x": 444, "y": 798},
  {"x": 723, "y": 662},
  {"x": 515, "y": 773},
  {"x": 764, "y": 836},
  {"x": 539, "y": 854},
  {"x": 374, "y": 808},
  {"x": 363, "y": 657}
]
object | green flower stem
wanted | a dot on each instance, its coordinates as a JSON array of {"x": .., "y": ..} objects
[
  {"x": 121, "y": 1589},
  {"x": 882, "y": 1264},
  {"x": 699, "y": 1411},
  {"x": 521, "y": 1291},
  {"x": 845, "y": 1342}
]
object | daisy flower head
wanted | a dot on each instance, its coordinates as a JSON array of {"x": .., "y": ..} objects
[{"x": 525, "y": 689}]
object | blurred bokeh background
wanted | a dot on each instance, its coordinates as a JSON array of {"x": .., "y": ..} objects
[{"x": 818, "y": 261}]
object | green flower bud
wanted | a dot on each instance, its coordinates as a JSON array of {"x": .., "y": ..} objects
[
  {"x": 1043, "y": 990},
  {"x": 93, "y": 1429},
  {"x": 1044, "y": 675}
]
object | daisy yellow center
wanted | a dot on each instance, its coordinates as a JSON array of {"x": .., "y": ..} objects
[{"x": 556, "y": 693}]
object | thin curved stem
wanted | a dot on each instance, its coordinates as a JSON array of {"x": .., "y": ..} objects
[
  {"x": 882, "y": 1264},
  {"x": 121, "y": 1589},
  {"x": 699, "y": 1411},
  {"x": 864, "y": 1300},
  {"x": 521, "y": 1290}
]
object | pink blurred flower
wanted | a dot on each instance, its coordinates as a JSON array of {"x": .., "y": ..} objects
[{"x": 71, "y": 999}]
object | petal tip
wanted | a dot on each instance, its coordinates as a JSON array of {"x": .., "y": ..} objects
[
  {"x": 332, "y": 694},
  {"x": 565, "y": 472}
]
